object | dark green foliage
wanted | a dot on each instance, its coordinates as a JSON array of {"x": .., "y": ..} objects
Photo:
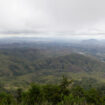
[
  {"x": 19, "y": 95},
  {"x": 6, "y": 99},
  {"x": 78, "y": 91},
  {"x": 65, "y": 83},
  {"x": 52, "y": 93},
  {"x": 36, "y": 94},
  {"x": 94, "y": 97},
  {"x": 62, "y": 94}
]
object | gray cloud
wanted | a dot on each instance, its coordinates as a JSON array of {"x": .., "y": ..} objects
[{"x": 72, "y": 16}]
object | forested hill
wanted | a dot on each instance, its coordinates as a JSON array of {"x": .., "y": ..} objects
[
  {"x": 21, "y": 62},
  {"x": 26, "y": 65},
  {"x": 71, "y": 63}
]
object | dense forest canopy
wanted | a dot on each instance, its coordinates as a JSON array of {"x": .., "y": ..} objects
[{"x": 66, "y": 92}]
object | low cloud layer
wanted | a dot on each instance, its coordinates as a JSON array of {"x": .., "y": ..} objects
[{"x": 86, "y": 17}]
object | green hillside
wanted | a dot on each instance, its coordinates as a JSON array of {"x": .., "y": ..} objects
[
  {"x": 22, "y": 63},
  {"x": 71, "y": 63},
  {"x": 23, "y": 66}
]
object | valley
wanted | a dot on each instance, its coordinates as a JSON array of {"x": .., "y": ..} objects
[{"x": 24, "y": 63}]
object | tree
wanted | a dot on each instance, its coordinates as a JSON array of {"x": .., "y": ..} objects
[
  {"x": 52, "y": 93},
  {"x": 19, "y": 95},
  {"x": 33, "y": 96},
  {"x": 64, "y": 86}
]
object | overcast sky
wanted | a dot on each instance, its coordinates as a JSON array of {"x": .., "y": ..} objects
[{"x": 80, "y": 17}]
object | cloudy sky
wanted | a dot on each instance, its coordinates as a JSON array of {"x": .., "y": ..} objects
[{"x": 71, "y": 17}]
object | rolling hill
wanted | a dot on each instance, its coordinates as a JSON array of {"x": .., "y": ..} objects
[{"x": 23, "y": 66}]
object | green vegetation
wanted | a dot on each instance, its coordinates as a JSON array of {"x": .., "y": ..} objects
[
  {"x": 21, "y": 66},
  {"x": 30, "y": 74},
  {"x": 67, "y": 92}
]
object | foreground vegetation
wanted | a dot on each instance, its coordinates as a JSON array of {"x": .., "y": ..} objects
[{"x": 64, "y": 93}]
